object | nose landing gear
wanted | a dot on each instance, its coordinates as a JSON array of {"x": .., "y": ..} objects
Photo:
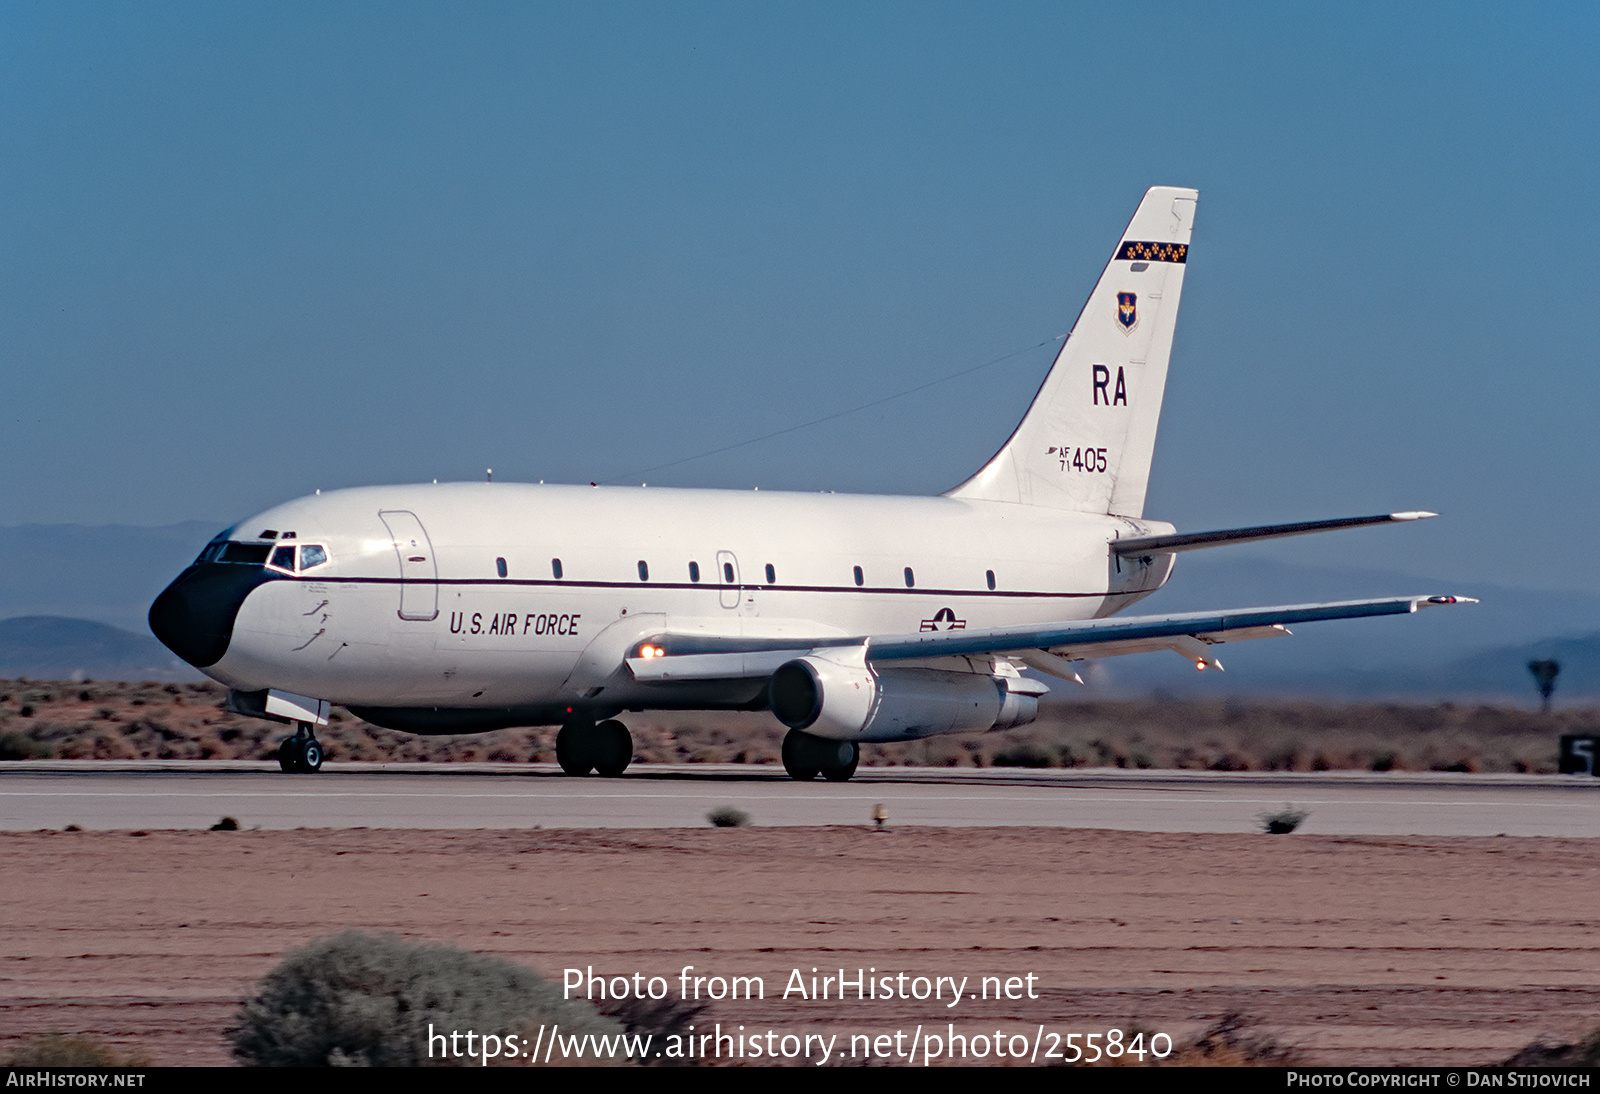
[
  {"x": 606, "y": 748},
  {"x": 302, "y": 753}
]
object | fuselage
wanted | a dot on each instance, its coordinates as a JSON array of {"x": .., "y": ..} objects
[{"x": 505, "y": 595}]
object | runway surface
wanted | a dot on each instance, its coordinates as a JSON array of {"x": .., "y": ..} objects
[{"x": 159, "y": 795}]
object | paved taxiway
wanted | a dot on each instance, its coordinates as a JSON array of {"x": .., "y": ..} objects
[{"x": 194, "y": 794}]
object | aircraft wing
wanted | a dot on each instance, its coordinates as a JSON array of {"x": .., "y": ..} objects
[{"x": 1188, "y": 633}]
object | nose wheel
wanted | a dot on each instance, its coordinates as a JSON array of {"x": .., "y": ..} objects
[{"x": 302, "y": 753}]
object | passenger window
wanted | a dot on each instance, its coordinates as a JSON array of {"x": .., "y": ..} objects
[
  {"x": 911, "y": 578},
  {"x": 555, "y": 568},
  {"x": 860, "y": 577},
  {"x": 283, "y": 558},
  {"x": 772, "y": 575},
  {"x": 694, "y": 571},
  {"x": 990, "y": 575},
  {"x": 312, "y": 555},
  {"x": 644, "y": 570},
  {"x": 500, "y": 567},
  {"x": 727, "y": 573}
]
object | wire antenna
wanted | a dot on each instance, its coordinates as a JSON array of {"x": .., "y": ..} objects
[{"x": 838, "y": 413}]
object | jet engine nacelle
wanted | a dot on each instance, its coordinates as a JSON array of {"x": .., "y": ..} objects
[{"x": 841, "y": 697}]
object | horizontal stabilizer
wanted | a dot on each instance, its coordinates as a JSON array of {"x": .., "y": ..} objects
[{"x": 1192, "y": 541}]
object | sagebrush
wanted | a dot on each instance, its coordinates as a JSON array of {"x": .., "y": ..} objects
[
  {"x": 369, "y": 1000},
  {"x": 60, "y": 1050}
]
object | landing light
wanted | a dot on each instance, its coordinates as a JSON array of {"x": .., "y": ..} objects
[
  {"x": 647, "y": 652},
  {"x": 1201, "y": 665}
]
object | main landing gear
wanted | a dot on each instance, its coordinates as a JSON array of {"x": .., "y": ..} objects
[
  {"x": 302, "y": 753},
  {"x": 806, "y": 757},
  {"x": 583, "y": 746}
]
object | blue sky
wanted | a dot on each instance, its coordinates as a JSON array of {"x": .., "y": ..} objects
[{"x": 253, "y": 250}]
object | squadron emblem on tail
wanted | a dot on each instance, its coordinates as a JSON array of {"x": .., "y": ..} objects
[{"x": 1127, "y": 311}]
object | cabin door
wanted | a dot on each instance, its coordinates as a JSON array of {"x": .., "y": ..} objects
[{"x": 419, "y": 571}]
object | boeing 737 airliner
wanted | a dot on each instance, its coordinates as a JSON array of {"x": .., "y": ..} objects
[{"x": 461, "y": 607}]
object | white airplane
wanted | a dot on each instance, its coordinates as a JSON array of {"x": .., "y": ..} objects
[{"x": 462, "y": 607}]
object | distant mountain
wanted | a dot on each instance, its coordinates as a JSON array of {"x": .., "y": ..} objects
[
  {"x": 1505, "y": 670},
  {"x": 1468, "y": 650},
  {"x": 110, "y": 572},
  {"x": 1223, "y": 578},
  {"x": 49, "y": 647}
]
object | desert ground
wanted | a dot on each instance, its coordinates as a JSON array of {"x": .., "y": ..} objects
[
  {"x": 1342, "y": 950},
  {"x": 112, "y": 720},
  {"x": 1395, "y": 950}
]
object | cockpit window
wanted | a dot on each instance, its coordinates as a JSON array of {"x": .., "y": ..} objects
[
  {"x": 309, "y": 555},
  {"x": 248, "y": 553},
  {"x": 286, "y": 557}
]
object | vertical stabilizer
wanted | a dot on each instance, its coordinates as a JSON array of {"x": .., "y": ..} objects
[{"x": 1085, "y": 443}]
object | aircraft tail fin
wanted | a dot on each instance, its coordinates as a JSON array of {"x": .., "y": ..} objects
[{"x": 1087, "y": 440}]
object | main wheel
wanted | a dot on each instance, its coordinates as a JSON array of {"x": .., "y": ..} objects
[
  {"x": 611, "y": 747},
  {"x": 839, "y": 759},
  {"x": 289, "y": 755},
  {"x": 800, "y": 758},
  {"x": 572, "y": 750},
  {"x": 311, "y": 756}
]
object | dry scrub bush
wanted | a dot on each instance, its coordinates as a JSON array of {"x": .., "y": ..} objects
[
  {"x": 1024, "y": 754},
  {"x": 59, "y": 1050},
  {"x": 1282, "y": 821},
  {"x": 1231, "y": 1042},
  {"x": 15, "y": 745},
  {"x": 662, "y": 1019},
  {"x": 1584, "y": 1053},
  {"x": 360, "y": 999}
]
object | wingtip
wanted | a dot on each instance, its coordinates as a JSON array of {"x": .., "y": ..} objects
[{"x": 1413, "y": 514}]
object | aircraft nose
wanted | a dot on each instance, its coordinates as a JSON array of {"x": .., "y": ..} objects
[{"x": 194, "y": 616}]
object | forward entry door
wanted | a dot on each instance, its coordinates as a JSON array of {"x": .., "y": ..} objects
[{"x": 419, "y": 572}]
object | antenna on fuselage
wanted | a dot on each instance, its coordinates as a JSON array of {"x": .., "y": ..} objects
[
  {"x": 841, "y": 413},
  {"x": 488, "y": 474}
]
